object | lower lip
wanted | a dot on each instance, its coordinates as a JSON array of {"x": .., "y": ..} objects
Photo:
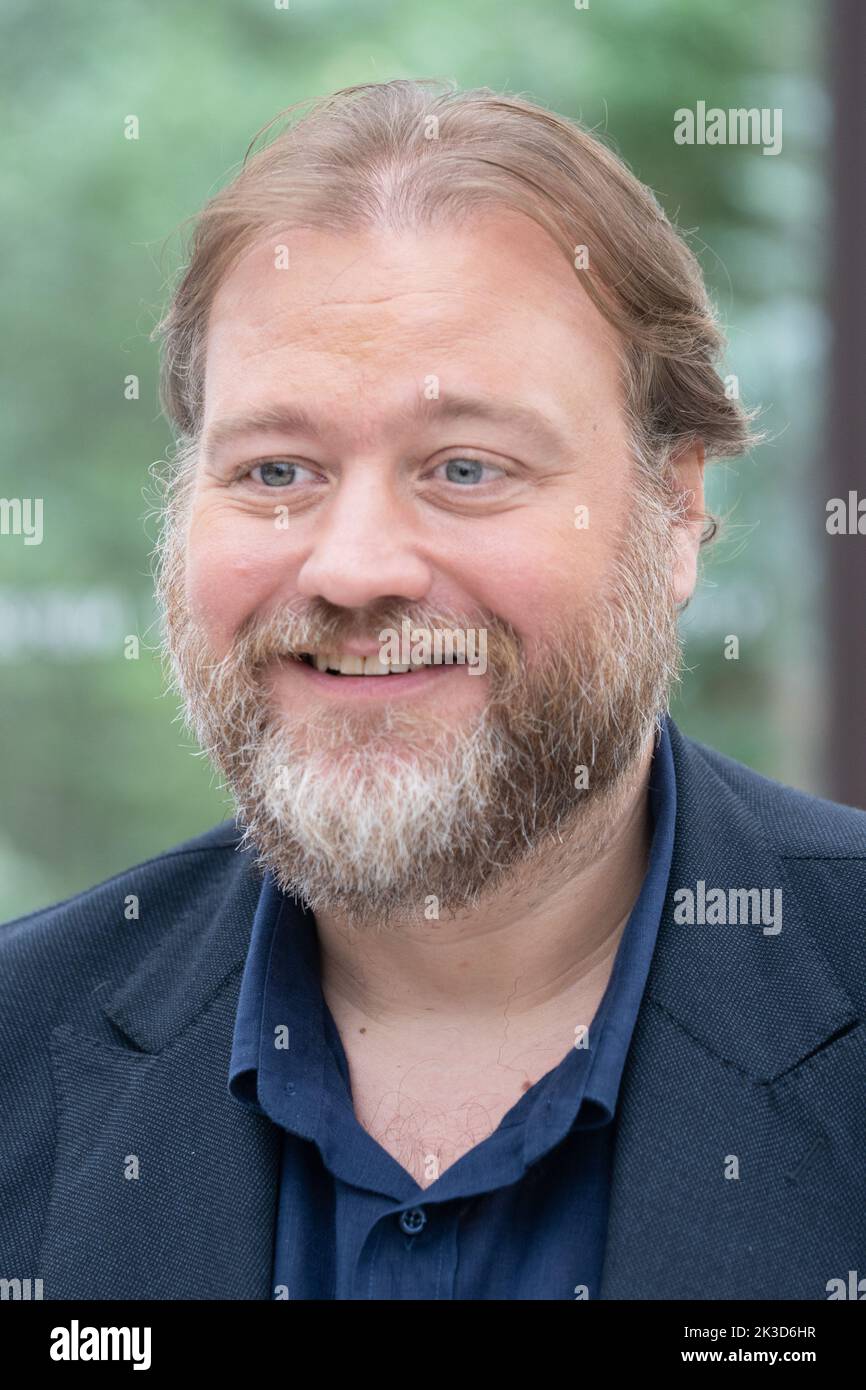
[{"x": 395, "y": 687}]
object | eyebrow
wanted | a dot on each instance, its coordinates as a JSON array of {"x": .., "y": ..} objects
[{"x": 293, "y": 420}]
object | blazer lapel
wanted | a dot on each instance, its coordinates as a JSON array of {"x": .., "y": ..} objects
[
  {"x": 715, "y": 1082},
  {"x": 165, "y": 1187}
]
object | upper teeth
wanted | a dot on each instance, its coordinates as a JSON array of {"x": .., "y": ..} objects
[{"x": 363, "y": 665}]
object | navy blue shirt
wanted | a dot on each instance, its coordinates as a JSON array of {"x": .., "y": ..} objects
[{"x": 522, "y": 1215}]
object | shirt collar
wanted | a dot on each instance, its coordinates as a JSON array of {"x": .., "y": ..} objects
[
  {"x": 585, "y": 1081},
  {"x": 612, "y": 1027},
  {"x": 273, "y": 908}
]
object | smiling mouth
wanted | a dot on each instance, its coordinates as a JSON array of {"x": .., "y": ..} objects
[{"x": 334, "y": 664}]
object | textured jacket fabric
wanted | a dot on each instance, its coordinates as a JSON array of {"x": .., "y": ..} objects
[{"x": 127, "y": 1170}]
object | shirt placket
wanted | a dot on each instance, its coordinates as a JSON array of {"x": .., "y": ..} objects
[{"x": 409, "y": 1252}]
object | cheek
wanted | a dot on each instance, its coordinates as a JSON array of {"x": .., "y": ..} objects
[
  {"x": 233, "y": 564},
  {"x": 545, "y": 571}
]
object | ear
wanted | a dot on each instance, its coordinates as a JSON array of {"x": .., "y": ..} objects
[{"x": 688, "y": 482}]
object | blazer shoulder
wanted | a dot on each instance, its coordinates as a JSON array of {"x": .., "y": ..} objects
[
  {"x": 172, "y": 876},
  {"x": 798, "y": 824}
]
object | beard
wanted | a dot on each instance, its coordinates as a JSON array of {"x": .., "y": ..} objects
[{"x": 389, "y": 813}]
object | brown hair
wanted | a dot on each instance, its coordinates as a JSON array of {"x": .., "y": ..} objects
[{"x": 408, "y": 154}]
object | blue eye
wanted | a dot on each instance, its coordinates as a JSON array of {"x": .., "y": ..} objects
[
  {"x": 276, "y": 472},
  {"x": 282, "y": 473},
  {"x": 465, "y": 470}
]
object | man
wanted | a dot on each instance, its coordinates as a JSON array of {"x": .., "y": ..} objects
[{"x": 498, "y": 986}]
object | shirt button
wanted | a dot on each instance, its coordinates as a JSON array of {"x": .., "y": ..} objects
[{"x": 413, "y": 1221}]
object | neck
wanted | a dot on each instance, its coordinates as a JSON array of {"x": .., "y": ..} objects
[{"x": 545, "y": 938}]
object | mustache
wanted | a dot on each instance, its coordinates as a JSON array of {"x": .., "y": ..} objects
[{"x": 322, "y": 626}]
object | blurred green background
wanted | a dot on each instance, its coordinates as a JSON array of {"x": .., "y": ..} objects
[{"x": 97, "y": 774}]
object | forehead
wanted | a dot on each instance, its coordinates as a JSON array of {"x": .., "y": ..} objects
[{"x": 492, "y": 303}]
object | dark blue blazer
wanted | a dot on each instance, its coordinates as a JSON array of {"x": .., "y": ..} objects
[{"x": 116, "y": 1032}]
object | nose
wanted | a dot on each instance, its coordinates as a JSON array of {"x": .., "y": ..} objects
[{"x": 365, "y": 548}]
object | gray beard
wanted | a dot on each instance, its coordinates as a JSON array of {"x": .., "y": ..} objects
[
  {"x": 383, "y": 839},
  {"x": 389, "y": 816}
]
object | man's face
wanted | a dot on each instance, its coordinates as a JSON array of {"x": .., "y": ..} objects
[{"x": 463, "y": 462}]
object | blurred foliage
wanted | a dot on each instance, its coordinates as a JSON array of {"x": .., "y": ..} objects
[{"x": 97, "y": 774}]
